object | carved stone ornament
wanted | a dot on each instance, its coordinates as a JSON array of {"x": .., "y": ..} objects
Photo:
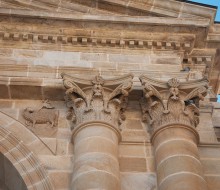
[
  {"x": 42, "y": 115},
  {"x": 97, "y": 99},
  {"x": 172, "y": 102}
]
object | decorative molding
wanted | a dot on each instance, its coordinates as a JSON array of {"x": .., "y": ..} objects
[
  {"x": 199, "y": 64},
  {"x": 172, "y": 102},
  {"x": 27, "y": 164},
  {"x": 97, "y": 99},
  {"x": 97, "y": 41}
]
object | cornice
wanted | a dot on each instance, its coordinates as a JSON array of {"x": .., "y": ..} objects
[
  {"x": 168, "y": 8},
  {"x": 202, "y": 22},
  {"x": 99, "y": 41},
  {"x": 214, "y": 34}
]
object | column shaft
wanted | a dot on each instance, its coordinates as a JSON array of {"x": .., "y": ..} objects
[
  {"x": 177, "y": 159},
  {"x": 96, "y": 163}
]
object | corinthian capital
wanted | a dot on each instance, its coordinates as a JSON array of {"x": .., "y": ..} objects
[
  {"x": 97, "y": 99},
  {"x": 172, "y": 102}
]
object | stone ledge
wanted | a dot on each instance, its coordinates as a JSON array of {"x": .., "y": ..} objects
[{"x": 102, "y": 18}]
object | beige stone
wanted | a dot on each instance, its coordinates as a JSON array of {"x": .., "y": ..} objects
[{"x": 118, "y": 149}]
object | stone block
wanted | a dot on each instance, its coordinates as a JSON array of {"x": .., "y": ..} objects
[
  {"x": 179, "y": 180},
  {"x": 53, "y": 93},
  {"x": 42, "y": 71},
  {"x": 213, "y": 182},
  {"x": 60, "y": 179},
  {"x": 94, "y": 57},
  {"x": 4, "y": 91},
  {"x": 175, "y": 147},
  {"x": 5, "y": 120},
  {"x": 104, "y": 65},
  {"x": 132, "y": 164},
  {"x": 207, "y": 137},
  {"x": 133, "y": 124},
  {"x": 62, "y": 147},
  {"x": 57, "y": 162},
  {"x": 96, "y": 162},
  {"x": 61, "y": 55},
  {"x": 26, "y": 92},
  {"x": 135, "y": 135},
  {"x": 174, "y": 60},
  {"x": 22, "y": 132},
  {"x": 14, "y": 113},
  {"x": 39, "y": 148},
  {"x": 211, "y": 166},
  {"x": 20, "y": 53},
  {"x": 50, "y": 142},
  {"x": 97, "y": 131},
  {"x": 140, "y": 181},
  {"x": 177, "y": 164},
  {"x": 5, "y": 103},
  {"x": 132, "y": 151},
  {"x": 7, "y": 69},
  {"x": 95, "y": 145},
  {"x": 151, "y": 167},
  {"x": 125, "y": 58},
  {"x": 6, "y": 52},
  {"x": 79, "y": 64},
  {"x": 209, "y": 152},
  {"x": 96, "y": 180}
]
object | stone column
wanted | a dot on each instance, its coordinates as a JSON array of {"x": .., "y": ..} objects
[
  {"x": 170, "y": 109},
  {"x": 96, "y": 108}
]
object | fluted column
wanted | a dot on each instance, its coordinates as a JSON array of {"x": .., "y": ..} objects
[
  {"x": 96, "y": 108},
  {"x": 170, "y": 109}
]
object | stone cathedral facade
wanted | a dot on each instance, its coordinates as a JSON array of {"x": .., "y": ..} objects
[{"x": 109, "y": 95}]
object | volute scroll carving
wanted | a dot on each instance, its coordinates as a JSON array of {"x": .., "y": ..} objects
[
  {"x": 171, "y": 102},
  {"x": 97, "y": 99}
]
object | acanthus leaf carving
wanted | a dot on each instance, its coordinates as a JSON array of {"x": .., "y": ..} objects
[
  {"x": 97, "y": 99},
  {"x": 170, "y": 102}
]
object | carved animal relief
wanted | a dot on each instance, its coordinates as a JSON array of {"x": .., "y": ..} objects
[
  {"x": 97, "y": 99},
  {"x": 46, "y": 114},
  {"x": 172, "y": 102}
]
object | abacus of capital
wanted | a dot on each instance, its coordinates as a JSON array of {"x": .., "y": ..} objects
[{"x": 170, "y": 109}]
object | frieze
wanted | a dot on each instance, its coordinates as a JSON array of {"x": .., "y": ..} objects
[
  {"x": 172, "y": 102},
  {"x": 97, "y": 99}
]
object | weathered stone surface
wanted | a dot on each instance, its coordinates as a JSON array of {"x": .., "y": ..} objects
[
  {"x": 110, "y": 38},
  {"x": 142, "y": 181}
]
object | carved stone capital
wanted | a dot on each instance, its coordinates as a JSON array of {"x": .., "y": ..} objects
[
  {"x": 97, "y": 99},
  {"x": 172, "y": 102}
]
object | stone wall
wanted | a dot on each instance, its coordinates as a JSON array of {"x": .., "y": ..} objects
[
  {"x": 39, "y": 40},
  {"x": 49, "y": 64},
  {"x": 136, "y": 157}
]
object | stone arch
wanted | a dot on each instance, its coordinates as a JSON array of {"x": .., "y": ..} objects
[
  {"x": 28, "y": 166},
  {"x": 28, "y": 137}
]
